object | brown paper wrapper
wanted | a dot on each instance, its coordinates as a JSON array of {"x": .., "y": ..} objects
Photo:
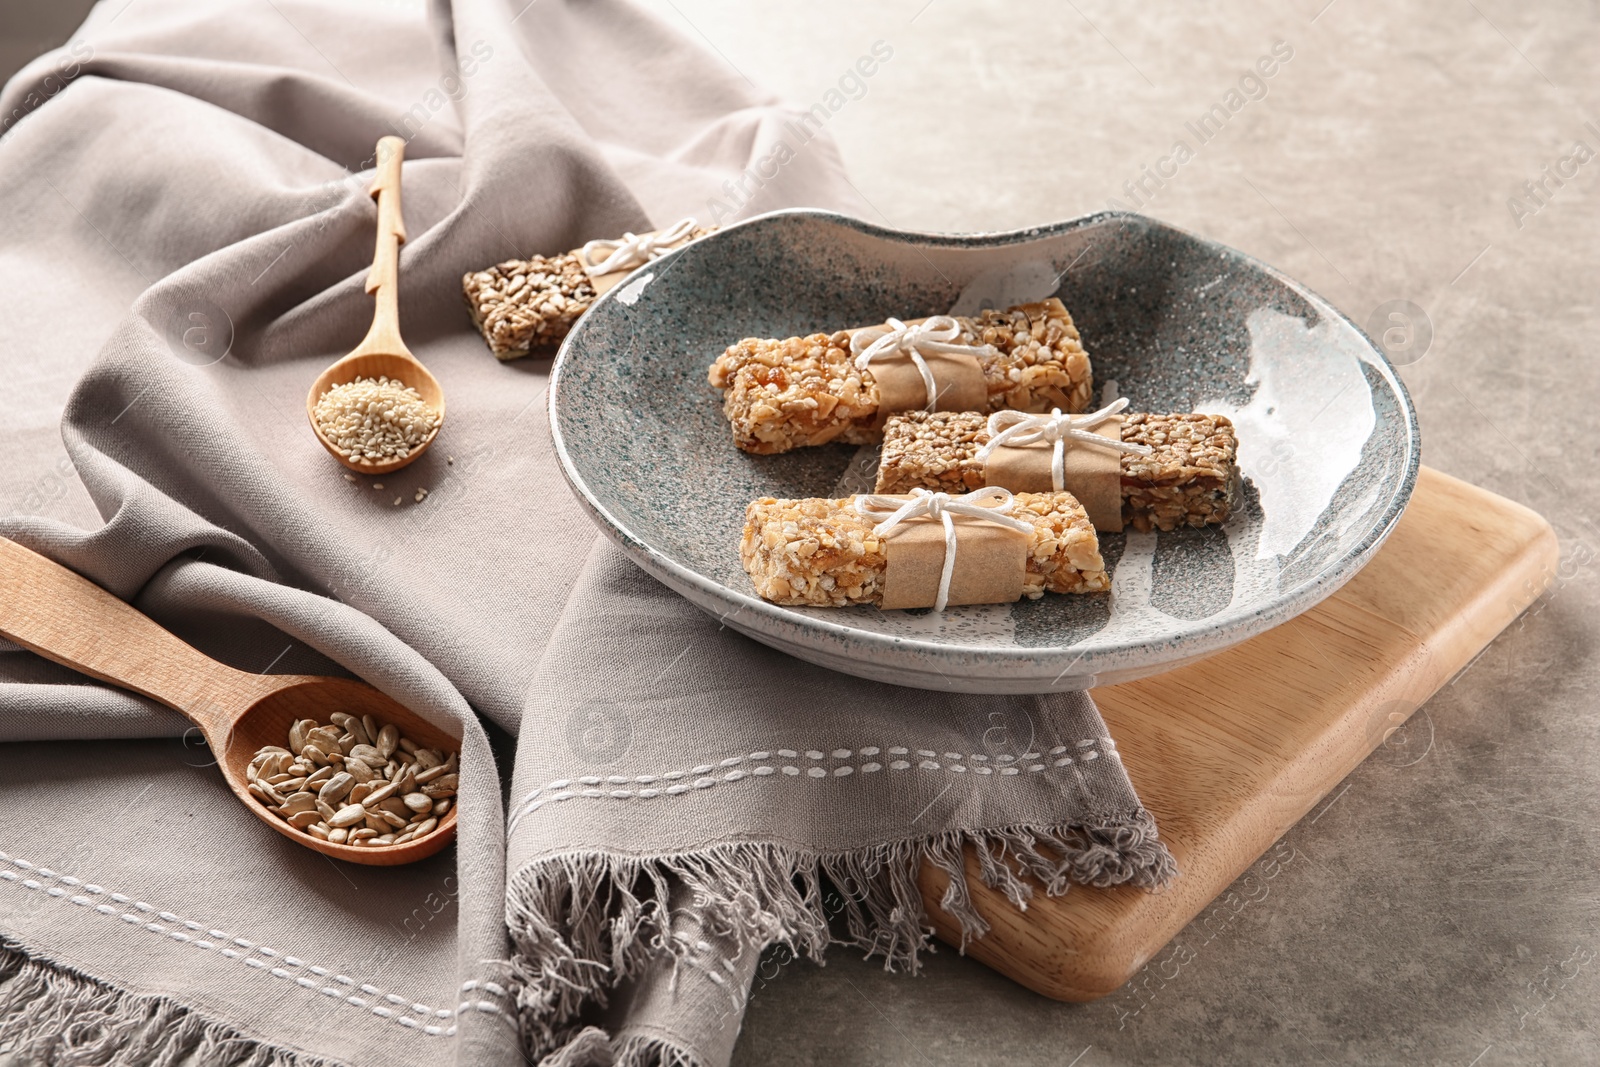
[
  {"x": 959, "y": 379},
  {"x": 1092, "y": 474},
  {"x": 602, "y": 282},
  {"x": 991, "y": 563}
]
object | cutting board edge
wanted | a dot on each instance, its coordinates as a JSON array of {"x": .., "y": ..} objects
[{"x": 1091, "y": 962}]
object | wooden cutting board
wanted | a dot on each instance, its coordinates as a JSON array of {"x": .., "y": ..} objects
[{"x": 1230, "y": 752}]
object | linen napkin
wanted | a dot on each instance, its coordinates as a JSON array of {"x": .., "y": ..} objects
[
  {"x": 184, "y": 232},
  {"x": 679, "y": 761}
]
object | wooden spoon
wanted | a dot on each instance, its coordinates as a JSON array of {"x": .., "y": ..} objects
[
  {"x": 48, "y": 609},
  {"x": 382, "y": 354}
]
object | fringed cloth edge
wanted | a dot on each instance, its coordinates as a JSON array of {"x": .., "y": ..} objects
[
  {"x": 582, "y": 922},
  {"x": 53, "y": 1014}
]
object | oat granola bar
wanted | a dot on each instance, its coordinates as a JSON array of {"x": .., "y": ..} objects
[
  {"x": 1191, "y": 478},
  {"x": 526, "y": 305},
  {"x": 785, "y": 394},
  {"x": 823, "y": 552}
]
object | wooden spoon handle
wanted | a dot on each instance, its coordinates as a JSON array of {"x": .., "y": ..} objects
[
  {"x": 383, "y": 280},
  {"x": 48, "y": 609}
]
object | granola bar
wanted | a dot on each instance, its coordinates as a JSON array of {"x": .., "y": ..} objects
[
  {"x": 785, "y": 394},
  {"x": 523, "y": 305},
  {"x": 1191, "y": 478},
  {"x": 823, "y": 552}
]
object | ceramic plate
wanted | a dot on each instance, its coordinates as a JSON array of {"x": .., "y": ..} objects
[{"x": 1328, "y": 439}]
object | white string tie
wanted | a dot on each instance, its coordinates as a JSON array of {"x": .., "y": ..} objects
[
  {"x": 937, "y": 334},
  {"x": 892, "y": 511},
  {"x": 1015, "y": 429},
  {"x": 633, "y": 250}
]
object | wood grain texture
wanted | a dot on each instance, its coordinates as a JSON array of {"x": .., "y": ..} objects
[{"x": 1230, "y": 752}]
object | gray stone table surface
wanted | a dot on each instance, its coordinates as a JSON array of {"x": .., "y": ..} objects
[{"x": 1441, "y": 908}]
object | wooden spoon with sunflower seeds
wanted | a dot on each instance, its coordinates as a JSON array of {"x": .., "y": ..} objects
[{"x": 62, "y": 616}]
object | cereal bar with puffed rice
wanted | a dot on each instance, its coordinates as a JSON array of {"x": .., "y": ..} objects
[
  {"x": 823, "y": 553},
  {"x": 524, "y": 305},
  {"x": 785, "y": 394},
  {"x": 1191, "y": 477}
]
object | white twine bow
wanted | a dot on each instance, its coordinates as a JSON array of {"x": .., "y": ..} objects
[
  {"x": 937, "y": 334},
  {"x": 633, "y": 250},
  {"x": 1015, "y": 429},
  {"x": 892, "y": 511}
]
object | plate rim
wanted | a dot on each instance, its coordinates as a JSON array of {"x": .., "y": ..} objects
[{"x": 1188, "y": 640}]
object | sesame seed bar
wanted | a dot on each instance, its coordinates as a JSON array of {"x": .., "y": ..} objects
[
  {"x": 1190, "y": 479},
  {"x": 524, "y": 305},
  {"x": 823, "y": 553},
  {"x": 785, "y": 394}
]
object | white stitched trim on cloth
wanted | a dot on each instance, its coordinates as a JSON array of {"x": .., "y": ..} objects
[
  {"x": 334, "y": 986},
  {"x": 899, "y": 758},
  {"x": 700, "y": 948}
]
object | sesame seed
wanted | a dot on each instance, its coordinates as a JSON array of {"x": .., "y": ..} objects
[{"x": 375, "y": 419}]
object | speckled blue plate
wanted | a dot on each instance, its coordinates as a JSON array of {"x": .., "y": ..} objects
[{"x": 1328, "y": 438}]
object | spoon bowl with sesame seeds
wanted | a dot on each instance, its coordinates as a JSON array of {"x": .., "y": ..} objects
[
  {"x": 247, "y": 719},
  {"x": 378, "y": 408}
]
